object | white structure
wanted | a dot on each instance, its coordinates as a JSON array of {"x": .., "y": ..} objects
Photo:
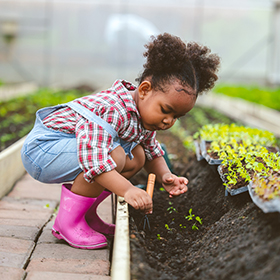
[
  {"x": 70, "y": 42},
  {"x": 274, "y": 76}
]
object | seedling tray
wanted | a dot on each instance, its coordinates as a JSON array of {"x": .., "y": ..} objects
[
  {"x": 266, "y": 206},
  {"x": 204, "y": 153},
  {"x": 229, "y": 190},
  {"x": 198, "y": 153}
]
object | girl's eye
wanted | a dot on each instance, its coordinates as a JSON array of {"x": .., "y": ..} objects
[{"x": 164, "y": 111}]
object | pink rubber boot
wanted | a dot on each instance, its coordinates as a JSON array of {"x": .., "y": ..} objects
[
  {"x": 70, "y": 223},
  {"x": 94, "y": 220}
]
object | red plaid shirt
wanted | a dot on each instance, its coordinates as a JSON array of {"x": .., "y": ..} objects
[{"x": 117, "y": 107}]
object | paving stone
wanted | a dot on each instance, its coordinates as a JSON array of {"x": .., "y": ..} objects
[
  {"x": 14, "y": 245},
  {"x": 11, "y": 203},
  {"x": 49, "y": 275},
  {"x": 47, "y": 237},
  {"x": 28, "y": 187},
  {"x": 65, "y": 251},
  {"x": 22, "y": 232},
  {"x": 15, "y": 252},
  {"x": 29, "y": 215},
  {"x": 11, "y": 273},
  {"x": 22, "y": 215},
  {"x": 22, "y": 222},
  {"x": 13, "y": 260},
  {"x": 104, "y": 210},
  {"x": 83, "y": 266}
]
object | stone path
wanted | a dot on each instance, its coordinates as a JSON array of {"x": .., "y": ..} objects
[{"x": 29, "y": 251}]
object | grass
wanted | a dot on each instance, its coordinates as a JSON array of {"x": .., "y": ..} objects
[{"x": 269, "y": 97}]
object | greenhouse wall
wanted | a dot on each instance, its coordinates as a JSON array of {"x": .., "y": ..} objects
[{"x": 68, "y": 43}]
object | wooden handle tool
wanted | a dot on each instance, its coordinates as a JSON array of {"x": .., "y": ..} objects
[{"x": 151, "y": 184}]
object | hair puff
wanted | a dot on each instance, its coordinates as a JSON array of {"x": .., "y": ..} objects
[{"x": 168, "y": 57}]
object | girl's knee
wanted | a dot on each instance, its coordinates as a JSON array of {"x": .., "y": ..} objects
[
  {"x": 124, "y": 164},
  {"x": 136, "y": 164},
  {"x": 119, "y": 157},
  {"x": 139, "y": 157}
]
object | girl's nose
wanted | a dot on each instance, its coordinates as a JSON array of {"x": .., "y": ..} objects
[{"x": 168, "y": 121}]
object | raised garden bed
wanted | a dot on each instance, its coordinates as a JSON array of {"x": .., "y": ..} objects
[
  {"x": 17, "y": 115},
  {"x": 236, "y": 240}
]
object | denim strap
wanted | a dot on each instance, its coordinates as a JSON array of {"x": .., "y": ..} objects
[{"x": 92, "y": 117}]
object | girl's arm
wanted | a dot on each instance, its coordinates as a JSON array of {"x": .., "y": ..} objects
[
  {"x": 172, "y": 184},
  {"x": 116, "y": 183}
]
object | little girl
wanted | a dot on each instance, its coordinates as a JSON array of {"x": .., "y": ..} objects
[{"x": 101, "y": 140}]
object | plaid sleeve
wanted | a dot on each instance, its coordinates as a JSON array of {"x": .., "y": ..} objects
[
  {"x": 152, "y": 147},
  {"x": 93, "y": 146}
]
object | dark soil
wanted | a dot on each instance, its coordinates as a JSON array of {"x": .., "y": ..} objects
[{"x": 235, "y": 241}]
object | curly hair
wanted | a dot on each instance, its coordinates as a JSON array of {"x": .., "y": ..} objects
[{"x": 168, "y": 57}]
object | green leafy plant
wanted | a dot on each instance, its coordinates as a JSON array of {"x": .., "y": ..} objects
[
  {"x": 167, "y": 227},
  {"x": 191, "y": 217},
  {"x": 269, "y": 97},
  {"x": 243, "y": 151},
  {"x": 256, "y": 162},
  {"x": 171, "y": 209},
  {"x": 17, "y": 115},
  {"x": 267, "y": 187},
  {"x": 182, "y": 226},
  {"x": 194, "y": 227}
]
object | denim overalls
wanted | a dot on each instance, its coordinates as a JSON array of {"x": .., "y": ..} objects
[{"x": 50, "y": 156}]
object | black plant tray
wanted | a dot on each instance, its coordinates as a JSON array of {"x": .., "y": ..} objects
[
  {"x": 229, "y": 190},
  {"x": 266, "y": 206}
]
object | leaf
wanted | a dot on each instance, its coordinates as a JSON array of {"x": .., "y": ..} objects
[
  {"x": 198, "y": 219},
  {"x": 194, "y": 227}
]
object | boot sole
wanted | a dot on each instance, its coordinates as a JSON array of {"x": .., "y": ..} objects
[{"x": 60, "y": 236}]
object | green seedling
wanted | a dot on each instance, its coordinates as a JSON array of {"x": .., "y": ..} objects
[
  {"x": 198, "y": 219},
  {"x": 194, "y": 227},
  {"x": 256, "y": 162},
  {"x": 167, "y": 227},
  {"x": 158, "y": 237},
  {"x": 190, "y": 216},
  {"x": 171, "y": 209},
  {"x": 182, "y": 226}
]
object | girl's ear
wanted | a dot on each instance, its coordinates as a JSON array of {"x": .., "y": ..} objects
[{"x": 144, "y": 88}]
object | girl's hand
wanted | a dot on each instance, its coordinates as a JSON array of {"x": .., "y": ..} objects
[
  {"x": 174, "y": 185},
  {"x": 139, "y": 199}
]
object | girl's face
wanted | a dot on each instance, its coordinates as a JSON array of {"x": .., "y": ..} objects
[{"x": 160, "y": 110}]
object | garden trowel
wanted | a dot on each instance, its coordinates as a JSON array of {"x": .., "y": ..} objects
[{"x": 150, "y": 191}]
